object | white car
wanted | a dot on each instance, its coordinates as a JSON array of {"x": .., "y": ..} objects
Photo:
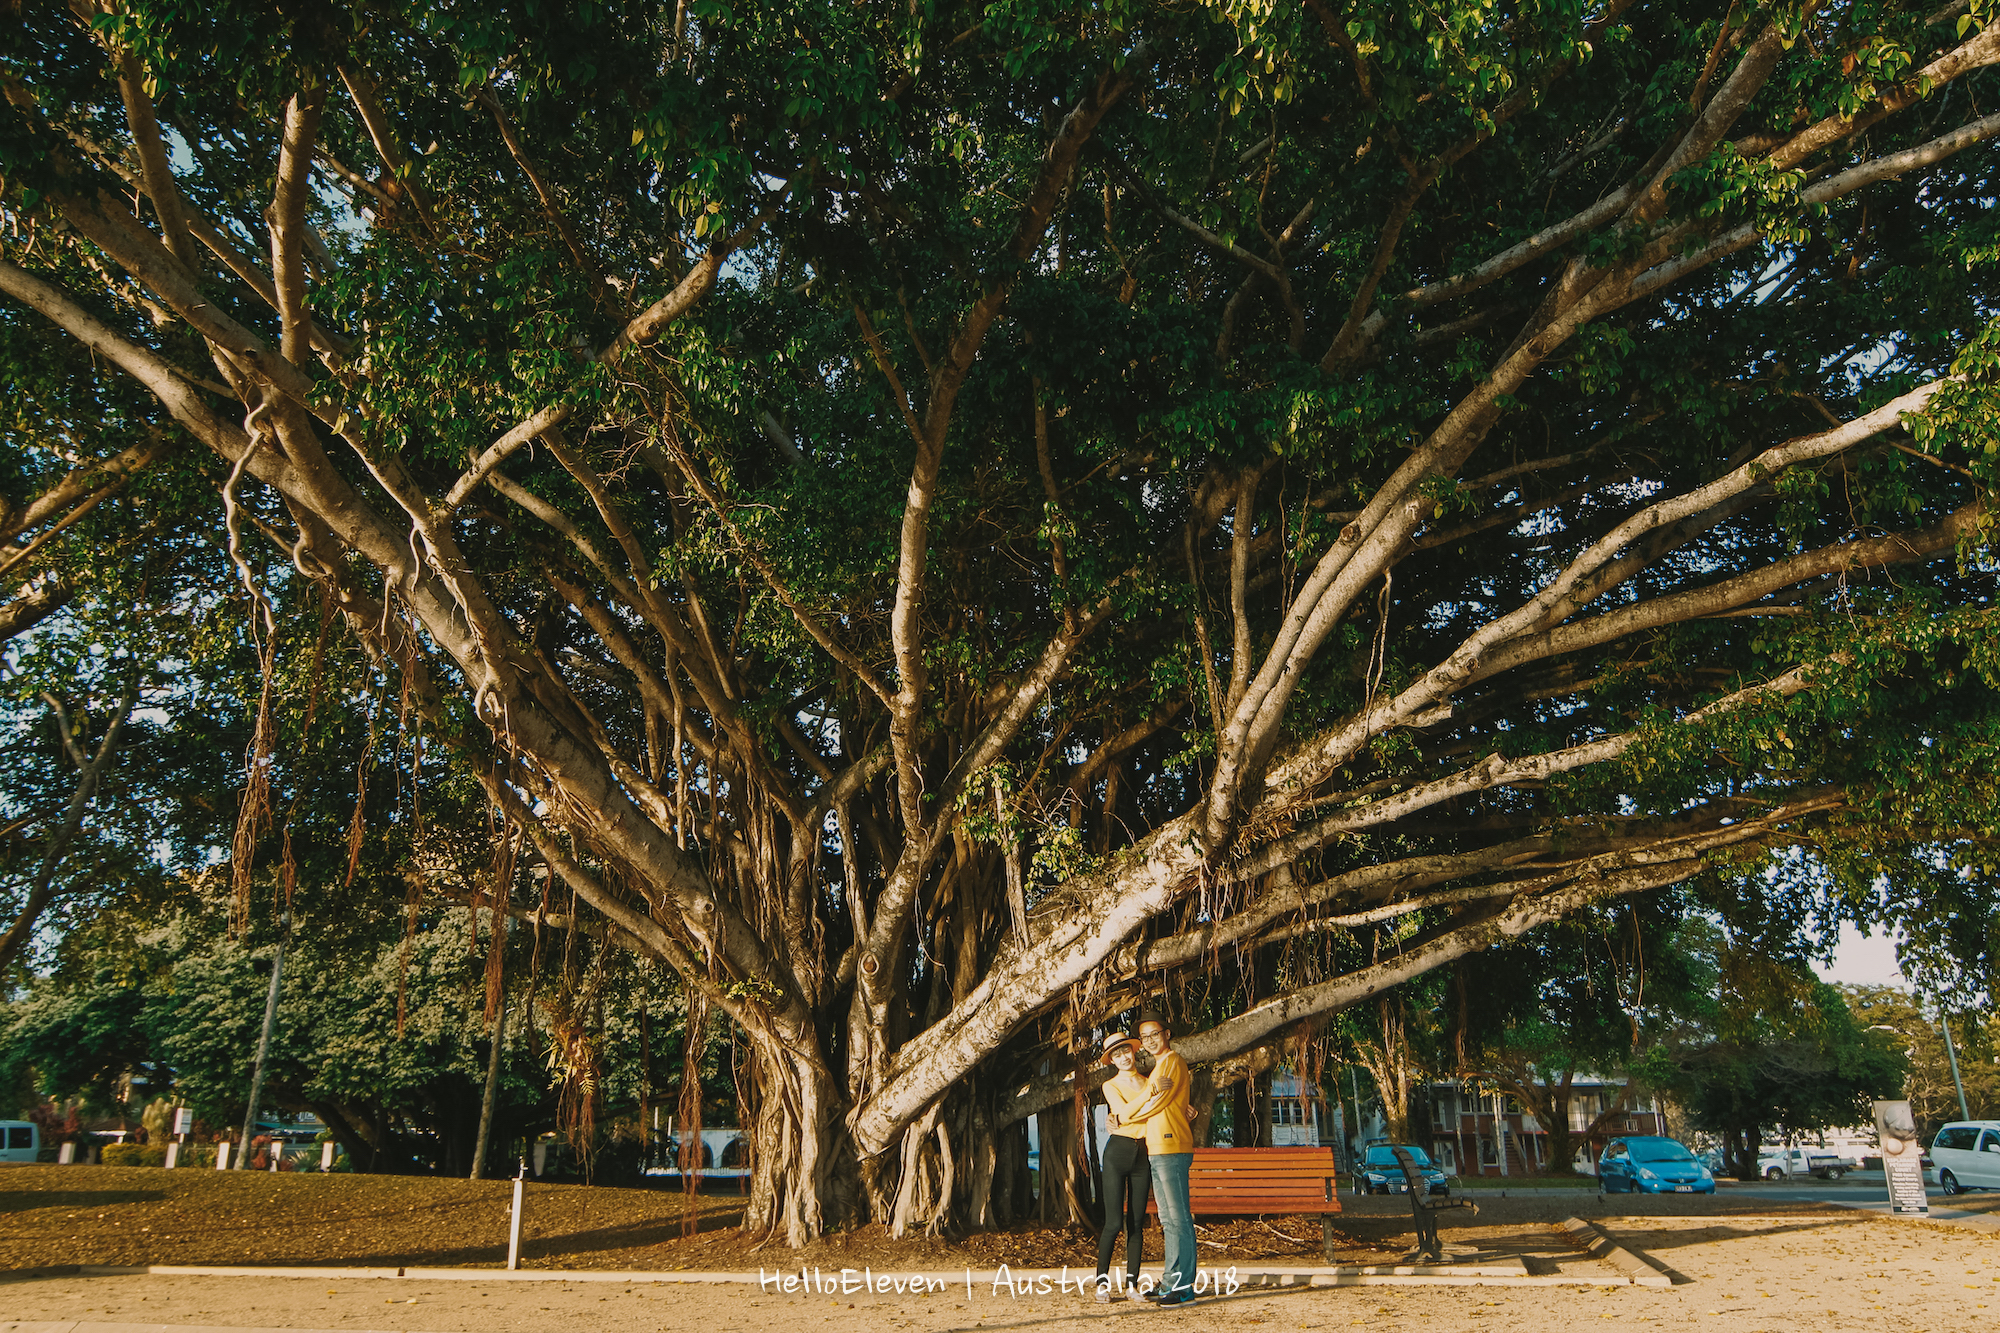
[
  {"x": 1967, "y": 1156},
  {"x": 20, "y": 1140},
  {"x": 1777, "y": 1163}
]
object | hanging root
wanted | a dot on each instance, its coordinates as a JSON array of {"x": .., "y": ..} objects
[
  {"x": 503, "y": 878},
  {"x": 254, "y": 812},
  {"x": 403, "y": 962},
  {"x": 357, "y": 828},
  {"x": 687, "y": 1116}
]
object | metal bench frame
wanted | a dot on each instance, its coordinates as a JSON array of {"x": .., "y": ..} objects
[{"x": 1424, "y": 1210}]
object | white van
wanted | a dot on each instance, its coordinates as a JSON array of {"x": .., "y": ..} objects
[
  {"x": 1967, "y": 1154},
  {"x": 20, "y": 1140}
]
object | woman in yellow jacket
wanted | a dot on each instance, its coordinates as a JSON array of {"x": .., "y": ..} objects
[{"x": 1127, "y": 1172}]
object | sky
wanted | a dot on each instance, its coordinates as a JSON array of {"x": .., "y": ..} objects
[{"x": 1863, "y": 960}]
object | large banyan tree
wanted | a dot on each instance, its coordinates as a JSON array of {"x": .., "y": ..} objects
[{"x": 947, "y": 521}]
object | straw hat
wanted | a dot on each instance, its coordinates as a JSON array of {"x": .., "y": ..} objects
[{"x": 1114, "y": 1040}]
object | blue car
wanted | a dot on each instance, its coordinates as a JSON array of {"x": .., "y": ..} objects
[{"x": 1645, "y": 1164}]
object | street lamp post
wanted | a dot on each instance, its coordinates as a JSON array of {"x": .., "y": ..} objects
[{"x": 1951, "y": 1055}]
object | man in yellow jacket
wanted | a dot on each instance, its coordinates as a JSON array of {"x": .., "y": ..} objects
[{"x": 1170, "y": 1149}]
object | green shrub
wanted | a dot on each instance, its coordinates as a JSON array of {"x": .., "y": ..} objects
[{"x": 134, "y": 1154}]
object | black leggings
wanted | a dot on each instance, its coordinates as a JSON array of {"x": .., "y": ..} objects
[{"x": 1127, "y": 1177}]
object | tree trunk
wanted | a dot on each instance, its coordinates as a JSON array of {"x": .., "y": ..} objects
[
  {"x": 1242, "y": 1118},
  {"x": 1013, "y": 1188},
  {"x": 1201, "y": 1107},
  {"x": 492, "y": 1092},
  {"x": 1067, "y": 1196},
  {"x": 1554, "y": 1116},
  {"x": 264, "y": 1042},
  {"x": 798, "y": 1142}
]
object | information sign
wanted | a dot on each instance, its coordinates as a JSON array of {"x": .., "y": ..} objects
[{"x": 1902, "y": 1159}]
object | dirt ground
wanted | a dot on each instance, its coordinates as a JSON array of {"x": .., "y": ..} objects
[
  {"x": 1734, "y": 1275},
  {"x": 1738, "y": 1264}
]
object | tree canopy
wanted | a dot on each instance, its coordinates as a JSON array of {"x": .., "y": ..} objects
[{"x": 944, "y": 522}]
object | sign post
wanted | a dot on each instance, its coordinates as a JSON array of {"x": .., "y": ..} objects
[
  {"x": 1902, "y": 1159},
  {"x": 326, "y": 1156},
  {"x": 514, "y": 1226},
  {"x": 183, "y": 1126}
]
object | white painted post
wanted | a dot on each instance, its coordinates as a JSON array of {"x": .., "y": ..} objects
[
  {"x": 66, "y": 1155},
  {"x": 326, "y": 1156},
  {"x": 514, "y": 1226},
  {"x": 541, "y": 1157},
  {"x": 222, "y": 1155},
  {"x": 173, "y": 1154},
  {"x": 277, "y": 1153}
]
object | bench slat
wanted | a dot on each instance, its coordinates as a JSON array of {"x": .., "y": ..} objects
[{"x": 1243, "y": 1181}]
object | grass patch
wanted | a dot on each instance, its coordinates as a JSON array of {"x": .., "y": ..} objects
[{"x": 144, "y": 1215}]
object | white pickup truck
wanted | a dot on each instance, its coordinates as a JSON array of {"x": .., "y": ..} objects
[{"x": 1778, "y": 1163}]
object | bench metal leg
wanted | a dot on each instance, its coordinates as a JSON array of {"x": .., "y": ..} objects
[
  {"x": 1326, "y": 1237},
  {"x": 1428, "y": 1244}
]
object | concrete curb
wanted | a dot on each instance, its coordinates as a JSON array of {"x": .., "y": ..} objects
[
  {"x": 1596, "y": 1242},
  {"x": 89, "y": 1326},
  {"x": 865, "y": 1281}
]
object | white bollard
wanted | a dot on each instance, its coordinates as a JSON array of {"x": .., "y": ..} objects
[
  {"x": 541, "y": 1157},
  {"x": 173, "y": 1155},
  {"x": 514, "y": 1228},
  {"x": 222, "y": 1155},
  {"x": 326, "y": 1155},
  {"x": 66, "y": 1155},
  {"x": 277, "y": 1153}
]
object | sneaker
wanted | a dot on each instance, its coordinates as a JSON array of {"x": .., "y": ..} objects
[
  {"x": 1104, "y": 1296},
  {"x": 1182, "y": 1297},
  {"x": 1151, "y": 1294}
]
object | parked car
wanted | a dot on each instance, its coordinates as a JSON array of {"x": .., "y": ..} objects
[
  {"x": 20, "y": 1140},
  {"x": 1967, "y": 1155},
  {"x": 1379, "y": 1172},
  {"x": 1648, "y": 1164},
  {"x": 1778, "y": 1163}
]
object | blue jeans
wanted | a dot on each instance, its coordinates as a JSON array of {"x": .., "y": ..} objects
[{"x": 1170, "y": 1189}]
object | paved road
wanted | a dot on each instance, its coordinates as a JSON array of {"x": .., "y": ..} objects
[{"x": 1868, "y": 1191}]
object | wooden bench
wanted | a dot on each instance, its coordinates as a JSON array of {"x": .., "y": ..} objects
[
  {"x": 1424, "y": 1209},
  {"x": 1243, "y": 1182}
]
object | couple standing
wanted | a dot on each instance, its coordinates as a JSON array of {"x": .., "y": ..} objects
[{"x": 1150, "y": 1144}]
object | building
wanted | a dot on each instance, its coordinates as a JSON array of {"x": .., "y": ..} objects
[
  {"x": 1481, "y": 1132},
  {"x": 1298, "y": 1117}
]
